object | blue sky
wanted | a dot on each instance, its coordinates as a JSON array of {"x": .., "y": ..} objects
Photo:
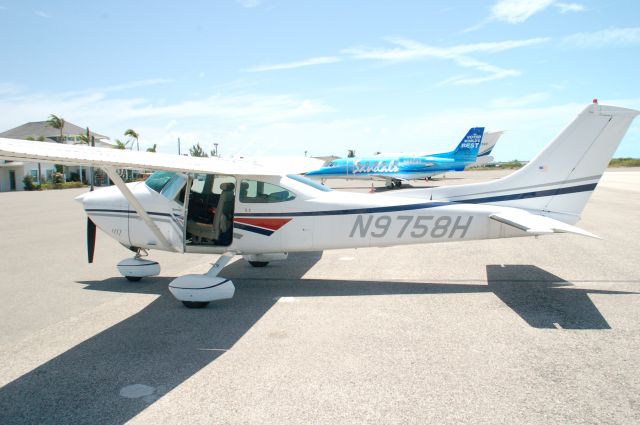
[{"x": 284, "y": 77}]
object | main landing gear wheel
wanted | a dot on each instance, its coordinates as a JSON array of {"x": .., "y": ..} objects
[
  {"x": 258, "y": 263},
  {"x": 397, "y": 183},
  {"x": 133, "y": 278},
  {"x": 195, "y": 304}
]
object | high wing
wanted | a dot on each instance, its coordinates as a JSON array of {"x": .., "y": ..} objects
[
  {"x": 537, "y": 224},
  {"x": 12, "y": 149}
]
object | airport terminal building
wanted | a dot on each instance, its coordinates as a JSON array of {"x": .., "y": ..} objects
[{"x": 13, "y": 172}]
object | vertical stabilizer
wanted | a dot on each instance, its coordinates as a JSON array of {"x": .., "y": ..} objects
[{"x": 467, "y": 150}]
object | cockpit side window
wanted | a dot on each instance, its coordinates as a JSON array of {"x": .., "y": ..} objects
[
  {"x": 252, "y": 192},
  {"x": 174, "y": 189}
]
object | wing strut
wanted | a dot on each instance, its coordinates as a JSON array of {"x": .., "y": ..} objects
[{"x": 133, "y": 201}]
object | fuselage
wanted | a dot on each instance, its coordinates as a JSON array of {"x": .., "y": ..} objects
[
  {"x": 294, "y": 214},
  {"x": 399, "y": 167}
]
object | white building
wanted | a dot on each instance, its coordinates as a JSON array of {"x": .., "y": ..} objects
[{"x": 12, "y": 173}]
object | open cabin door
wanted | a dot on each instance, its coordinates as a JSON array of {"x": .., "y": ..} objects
[
  {"x": 210, "y": 210},
  {"x": 165, "y": 205}
]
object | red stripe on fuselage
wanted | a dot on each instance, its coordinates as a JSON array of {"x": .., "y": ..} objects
[{"x": 267, "y": 223}]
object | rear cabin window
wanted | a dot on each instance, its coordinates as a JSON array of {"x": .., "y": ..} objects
[
  {"x": 253, "y": 192},
  {"x": 309, "y": 182}
]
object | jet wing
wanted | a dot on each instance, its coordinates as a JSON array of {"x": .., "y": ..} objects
[
  {"x": 537, "y": 224},
  {"x": 25, "y": 150}
]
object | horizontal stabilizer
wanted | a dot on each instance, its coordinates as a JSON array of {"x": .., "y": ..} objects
[{"x": 537, "y": 224}]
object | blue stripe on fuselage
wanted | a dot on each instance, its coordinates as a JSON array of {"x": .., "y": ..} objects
[{"x": 432, "y": 204}]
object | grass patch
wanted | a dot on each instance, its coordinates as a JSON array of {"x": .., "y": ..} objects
[
  {"x": 624, "y": 162},
  {"x": 65, "y": 185}
]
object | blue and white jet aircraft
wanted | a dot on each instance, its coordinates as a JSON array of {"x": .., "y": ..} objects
[{"x": 396, "y": 168}]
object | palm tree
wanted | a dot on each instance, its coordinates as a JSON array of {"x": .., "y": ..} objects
[
  {"x": 196, "y": 150},
  {"x": 152, "y": 148},
  {"x": 120, "y": 145},
  {"x": 82, "y": 140},
  {"x": 132, "y": 133},
  {"x": 56, "y": 122}
]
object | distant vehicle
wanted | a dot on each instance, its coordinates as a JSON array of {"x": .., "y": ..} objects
[{"x": 396, "y": 168}]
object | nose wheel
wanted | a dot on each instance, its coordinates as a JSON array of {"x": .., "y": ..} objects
[
  {"x": 134, "y": 269},
  {"x": 133, "y": 278}
]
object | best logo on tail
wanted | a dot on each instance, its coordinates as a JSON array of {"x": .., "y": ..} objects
[{"x": 468, "y": 149}]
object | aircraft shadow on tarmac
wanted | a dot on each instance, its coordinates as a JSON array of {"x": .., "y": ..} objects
[{"x": 165, "y": 344}]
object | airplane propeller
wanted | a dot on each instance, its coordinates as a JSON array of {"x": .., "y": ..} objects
[{"x": 91, "y": 239}]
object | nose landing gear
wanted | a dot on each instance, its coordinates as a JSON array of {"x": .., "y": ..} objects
[{"x": 134, "y": 269}]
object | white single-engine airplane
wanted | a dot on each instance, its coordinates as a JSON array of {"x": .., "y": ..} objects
[{"x": 209, "y": 205}]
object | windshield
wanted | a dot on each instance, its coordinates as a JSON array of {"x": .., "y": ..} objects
[
  {"x": 159, "y": 179},
  {"x": 309, "y": 182}
]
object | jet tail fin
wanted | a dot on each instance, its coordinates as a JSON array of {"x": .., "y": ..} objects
[
  {"x": 467, "y": 149},
  {"x": 489, "y": 141}
]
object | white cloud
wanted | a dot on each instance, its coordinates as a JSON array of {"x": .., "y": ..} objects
[
  {"x": 9, "y": 88},
  {"x": 249, "y": 3},
  {"x": 518, "y": 102},
  {"x": 131, "y": 85},
  {"x": 518, "y": 11},
  {"x": 321, "y": 60},
  {"x": 608, "y": 37},
  {"x": 498, "y": 46},
  {"x": 203, "y": 118},
  {"x": 171, "y": 124},
  {"x": 411, "y": 50},
  {"x": 570, "y": 7},
  {"x": 290, "y": 124},
  {"x": 463, "y": 80},
  {"x": 42, "y": 14}
]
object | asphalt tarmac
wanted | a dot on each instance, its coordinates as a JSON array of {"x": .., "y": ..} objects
[{"x": 536, "y": 331}]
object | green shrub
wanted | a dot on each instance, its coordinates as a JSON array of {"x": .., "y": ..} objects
[
  {"x": 65, "y": 185},
  {"x": 512, "y": 165},
  {"x": 28, "y": 183},
  {"x": 58, "y": 178},
  {"x": 624, "y": 162}
]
